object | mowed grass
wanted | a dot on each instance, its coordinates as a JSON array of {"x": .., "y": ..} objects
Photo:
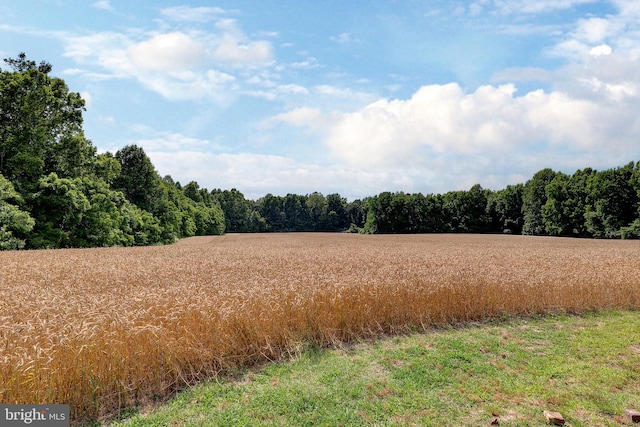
[
  {"x": 585, "y": 367},
  {"x": 112, "y": 328}
]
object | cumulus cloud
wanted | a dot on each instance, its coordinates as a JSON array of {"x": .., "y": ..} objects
[
  {"x": 175, "y": 64},
  {"x": 169, "y": 51},
  {"x": 446, "y": 137},
  {"x": 599, "y": 50},
  {"x": 619, "y": 31},
  {"x": 483, "y": 126}
]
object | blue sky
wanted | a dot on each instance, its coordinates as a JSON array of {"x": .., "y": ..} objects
[{"x": 353, "y": 97}]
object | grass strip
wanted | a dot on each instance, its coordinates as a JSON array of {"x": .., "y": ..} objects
[{"x": 585, "y": 367}]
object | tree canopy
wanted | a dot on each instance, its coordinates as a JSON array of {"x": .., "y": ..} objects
[{"x": 57, "y": 191}]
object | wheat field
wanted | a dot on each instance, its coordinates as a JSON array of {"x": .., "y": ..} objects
[{"x": 103, "y": 329}]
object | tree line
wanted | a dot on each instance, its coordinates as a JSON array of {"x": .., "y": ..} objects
[
  {"x": 57, "y": 191},
  {"x": 589, "y": 203}
]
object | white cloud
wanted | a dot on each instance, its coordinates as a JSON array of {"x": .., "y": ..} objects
[
  {"x": 538, "y": 6},
  {"x": 572, "y": 49},
  {"x": 483, "y": 127},
  {"x": 192, "y": 14},
  {"x": 234, "y": 48},
  {"x": 342, "y": 38},
  {"x": 87, "y": 98},
  {"x": 292, "y": 89},
  {"x": 258, "y": 174},
  {"x": 619, "y": 31},
  {"x": 212, "y": 85},
  {"x": 307, "y": 64},
  {"x": 600, "y": 50},
  {"x": 523, "y": 74},
  {"x": 73, "y": 71},
  {"x": 271, "y": 89},
  {"x": 105, "y": 49},
  {"x": 169, "y": 51},
  {"x": 302, "y": 117},
  {"x": 630, "y": 8},
  {"x": 594, "y": 30},
  {"x": 103, "y": 4},
  {"x": 162, "y": 63},
  {"x": 349, "y": 94},
  {"x": 174, "y": 64},
  {"x": 172, "y": 141}
]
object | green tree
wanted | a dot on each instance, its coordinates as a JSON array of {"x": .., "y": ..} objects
[
  {"x": 297, "y": 216},
  {"x": 14, "y": 222},
  {"x": 58, "y": 209},
  {"x": 207, "y": 213},
  {"x": 378, "y": 219},
  {"x": 138, "y": 179},
  {"x": 317, "y": 208},
  {"x": 271, "y": 208},
  {"x": 356, "y": 213},
  {"x": 337, "y": 219},
  {"x": 256, "y": 223},
  {"x": 107, "y": 168},
  {"x": 504, "y": 208},
  {"x": 187, "y": 211},
  {"x": 236, "y": 209},
  {"x": 633, "y": 230},
  {"x": 466, "y": 210},
  {"x": 208, "y": 220},
  {"x": 555, "y": 216},
  {"x": 534, "y": 196},
  {"x": 144, "y": 227},
  {"x": 104, "y": 222},
  {"x": 192, "y": 191},
  {"x": 612, "y": 202},
  {"x": 111, "y": 219},
  {"x": 40, "y": 125},
  {"x": 565, "y": 208}
]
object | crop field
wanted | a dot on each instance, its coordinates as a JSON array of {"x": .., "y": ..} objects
[{"x": 103, "y": 329}]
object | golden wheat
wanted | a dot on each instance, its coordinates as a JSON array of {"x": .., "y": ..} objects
[{"x": 102, "y": 329}]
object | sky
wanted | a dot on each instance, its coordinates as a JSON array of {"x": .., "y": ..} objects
[{"x": 351, "y": 97}]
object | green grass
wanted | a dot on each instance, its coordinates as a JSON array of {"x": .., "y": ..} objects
[{"x": 585, "y": 367}]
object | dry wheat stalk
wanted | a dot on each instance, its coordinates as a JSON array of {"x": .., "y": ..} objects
[{"x": 101, "y": 329}]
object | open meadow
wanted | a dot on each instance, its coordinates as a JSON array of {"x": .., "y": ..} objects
[{"x": 103, "y": 329}]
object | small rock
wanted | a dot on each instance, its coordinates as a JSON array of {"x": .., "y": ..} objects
[
  {"x": 495, "y": 422},
  {"x": 633, "y": 415},
  {"x": 554, "y": 418}
]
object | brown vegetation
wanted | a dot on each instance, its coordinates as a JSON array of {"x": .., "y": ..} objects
[{"x": 101, "y": 329}]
